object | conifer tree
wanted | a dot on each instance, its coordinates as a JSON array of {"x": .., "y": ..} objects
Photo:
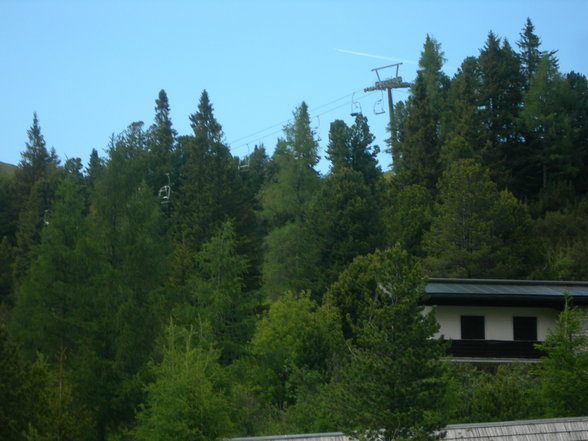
[
  {"x": 479, "y": 231},
  {"x": 345, "y": 222},
  {"x": 290, "y": 253},
  {"x": 564, "y": 385},
  {"x": 351, "y": 148},
  {"x": 217, "y": 294},
  {"x": 392, "y": 386},
  {"x": 37, "y": 178},
  {"x": 500, "y": 101},
  {"x": 530, "y": 53},
  {"x": 209, "y": 191},
  {"x": 417, "y": 155},
  {"x": 185, "y": 401},
  {"x": 462, "y": 130},
  {"x": 161, "y": 159}
]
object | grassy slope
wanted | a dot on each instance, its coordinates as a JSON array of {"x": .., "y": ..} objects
[{"x": 6, "y": 169}]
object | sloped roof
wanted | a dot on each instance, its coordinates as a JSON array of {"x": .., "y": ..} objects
[
  {"x": 540, "y": 291},
  {"x": 555, "y": 429}
]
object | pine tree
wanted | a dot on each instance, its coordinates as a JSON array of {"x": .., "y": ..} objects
[
  {"x": 564, "y": 385},
  {"x": 185, "y": 401},
  {"x": 345, "y": 222},
  {"x": 530, "y": 53},
  {"x": 500, "y": 101},
  {"x": 417, "y": 152},
  {"x": 479, "y": 231},
  {"x": 462, "y": 130},
  {"x": 209, "y": 193},
  {"x": 351, "y": 148},
  {"x": 37, "y": 178},
  {"x": 392, "y": 386},
  {"x": 48, "y": 316},
  {"x": 290, "y": 253},
  {"x": 548, "y": 127},
  {"x": 217, "y": 295},
  {"x": 161, "y": 159}
]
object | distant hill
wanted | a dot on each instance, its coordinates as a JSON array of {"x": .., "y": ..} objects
[{"x": 6, "y": 169}]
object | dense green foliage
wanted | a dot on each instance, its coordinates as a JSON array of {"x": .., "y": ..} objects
[{"x": 171, "y": 290}]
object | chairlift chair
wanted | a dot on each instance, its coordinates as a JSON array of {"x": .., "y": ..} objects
[
  {"x": 244, "y": 164},
  {"x": 379, "y": 107},
  {"x": 355, "y": 106},
  {"x": 317, "y": 129},
  {"x": 165, "y": 192}
]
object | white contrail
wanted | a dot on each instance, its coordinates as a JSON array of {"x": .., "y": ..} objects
[{"x": 363, "y": 54}]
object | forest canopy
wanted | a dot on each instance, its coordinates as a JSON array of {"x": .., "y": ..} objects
[{"x": 170, "y": 289}]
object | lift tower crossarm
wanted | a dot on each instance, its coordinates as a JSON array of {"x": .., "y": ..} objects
[{"x": 387, "y": 85}]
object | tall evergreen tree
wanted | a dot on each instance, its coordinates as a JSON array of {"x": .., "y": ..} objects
[
  {"x": 36, "y": 182},
  {"x": 501, "y": 91},
  {"x": 564, "y": 384},
  {"x": 462, "y": 130},
  {"x": 479, "y": 231},
  {"x": 127, "y": 248},
  {"x": 217, "y": 295},
  {"x": 351, "y": 148},
  {"x": 530, "y": 53},
  {"x": 161, "y": 159},
  {"x": 417, "y": 152},
  {"x": 290, "y": 253},
  {"x": 210, "y": 186},
  {"x": 186, "y": 400},
  {"x": 393, "y": 384},
  {"x": 345, "y": 222},
  {"x": 48, "y": 315},
  {"x": 548, "y": 129}
]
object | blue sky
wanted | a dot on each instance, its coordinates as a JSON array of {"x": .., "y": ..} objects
[{"x": 90, "y": 68}]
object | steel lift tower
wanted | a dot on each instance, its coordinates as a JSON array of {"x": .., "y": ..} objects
[{"x": 388, "y": 84}]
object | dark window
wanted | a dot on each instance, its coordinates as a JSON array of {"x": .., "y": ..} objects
[
  {"x": 472, "y": 327},
  {"x": 524, "y": 328}
]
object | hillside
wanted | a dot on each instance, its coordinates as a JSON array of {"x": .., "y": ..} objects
[{"x": 6, "y": 169}]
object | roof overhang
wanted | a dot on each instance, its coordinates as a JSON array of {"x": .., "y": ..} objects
[{"x": 497, "y": 292}]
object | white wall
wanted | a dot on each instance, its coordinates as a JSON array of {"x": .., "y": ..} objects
[{"x": 498, "y": 320}]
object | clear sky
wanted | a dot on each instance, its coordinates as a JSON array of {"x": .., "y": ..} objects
[{"x": 90, "y": 68}]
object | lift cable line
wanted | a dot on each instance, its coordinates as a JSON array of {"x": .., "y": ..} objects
[
  {"x": 388, "y": 84},
  {"x": 280, "y": 125}
]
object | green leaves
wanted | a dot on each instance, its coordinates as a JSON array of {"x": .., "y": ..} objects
[
  {"x": 394, "y": 378},
  {"x": 564, "y": 372},
  {"x": 185, "y": 401}
]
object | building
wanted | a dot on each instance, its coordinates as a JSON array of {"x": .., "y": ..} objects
[
  {"x": 555, "y": 429},
  {"x": 499, "y": 320}
]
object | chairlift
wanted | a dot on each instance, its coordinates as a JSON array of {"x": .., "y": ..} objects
[
  {"x": 379, "y": 105},
  {"x": 355, "y": 106},
  {"x": 46, "y": 217},
  {"x": 244, "y": 164},
  {"x": 317, "y": 129},
  {"x": 165, "y": 192}
]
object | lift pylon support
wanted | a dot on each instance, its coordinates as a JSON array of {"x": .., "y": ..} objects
[{"x": 388, "y": 84}]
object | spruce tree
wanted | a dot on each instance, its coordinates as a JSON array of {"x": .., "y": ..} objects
[
  {"x": 393, "y": 384},
  {"x": 416, "y": 152},
  {"x": 462, "y": 130},
  {"x": 501, "y": 91},
  {"x": 290, "y": 253},
  {"x": 530, "y": 54},
  {"x": 161, "y": 159}
]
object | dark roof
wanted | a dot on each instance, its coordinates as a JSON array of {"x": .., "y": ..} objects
[{"x": 505, "y": 291}]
